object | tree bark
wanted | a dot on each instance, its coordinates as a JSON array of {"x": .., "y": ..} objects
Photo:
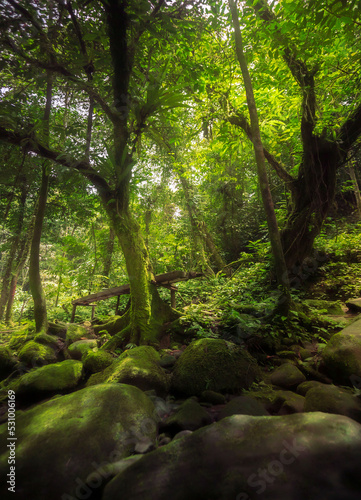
[{"x": 279, "y": 261}]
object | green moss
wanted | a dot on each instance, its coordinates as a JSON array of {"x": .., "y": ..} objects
[
  {"x": 35, "y": 354},
  {"x": 216, "y": 365},
  {"x": 80, "y": 348},
  {"x": 342, "y": 357},
  {"x": 45, "y": 339},
  {"x": 142, "y": 352},
  {"x": 56, "y": 377},
  {"x": 331, "y": 307},
  {"x": 76, "y": 332},
  {"x": 21, "y": 336},
  {"x": 7, "y": 362},
  {"x": 97, "y": 361}
]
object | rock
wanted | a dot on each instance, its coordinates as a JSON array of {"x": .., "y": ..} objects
[
  {"x": 354, "y": 305},
  {"x": 290, "y": 402},
  {"x": 314, "y": 456},
  {"x": 97, "y": 361},
  {"x": 243, "y": 405},
  {"x": 167, "y": 361},
  {"x": 329, "y": 307},
  {"x": 139, "y": 367},
  {"x": 113, "y": 326},
  {"x": 216, "y": 365},
  {"x": 52, "y": 379},
  {"x": 64, "y": 440},
  {"x": 49, "y": 340},
  {"x": 303, "y": 388},
  {"x": 76, "y": 332},
  {"x": 33, "y": 354},
  {"x": 57, "y": 329},
  {"x": 215, "y": 398},
  {"x": 182, "y": 434},
  {"x": 189, "y": 416},
  {"x": 332, "y": 399},
  {"x": 7, "y": 362},
  {"x": 287, "y": 355},
  {"x": 287, "y": 376},
  {"x": 342, "y": 355},
  {"x": 80, "y": 348}
]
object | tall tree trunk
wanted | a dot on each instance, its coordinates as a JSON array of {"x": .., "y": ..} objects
[
  {"x": 107, "y": 263},
  {"x": 356, "y": 189},
  {"x": 279, "y": 260},
  {"x": 36, "y": 288}
]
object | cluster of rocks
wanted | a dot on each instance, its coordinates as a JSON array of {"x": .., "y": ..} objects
[{"x": 201, "y": 422}]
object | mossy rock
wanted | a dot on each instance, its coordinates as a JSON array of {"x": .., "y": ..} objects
[
  {"x": 216, "y": 365},
  {"x": 330, "y": 307},
  {"x": 7, "y": 362},
  {"x": 80, "y": 348},
  {"x": 342, "y": 355},
  {"x": 303, "y": 388},
  {"x": 34, "y": 354},
  {"x": 332, "y": 399},
  {"x": 113, "y": 326},
  {"x": 302, "y": 456},
  {"x": 75, "y": 333},
  {"x": 51, "y": 379},
  {"x": 97, "y": 361},
  {"x": 57, "y": 329},
  {"x": 139, "y": 367},
  {"x": 243, "y": 405},
  {"x": 49, "y": 340},
  {"x": 287, "y": 376},
  {"x": 63, "y": 440},
  {"x": 189, "y": 416},
  {"x": 21, "y": 336}
]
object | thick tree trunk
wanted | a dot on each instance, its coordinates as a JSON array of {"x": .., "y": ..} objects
[
  {"x": 147, "y": 312},
  {"x": 107, "y": 262}
]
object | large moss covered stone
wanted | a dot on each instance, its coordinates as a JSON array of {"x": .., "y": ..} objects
[
  {"x": 332, "y": 399},
  {"x": 21, "y": 336},
  {"x": 216, "y": 365},
  {"x": 342, "y": 355},
  {"x": 287, "y": 376},
  {"x": 80, "y": 348},
  {"x": 50, "y": 379},
  {"x": 301, "y": 456},
  {"x": 97, "y": 361},
  {"x": 189, "y": 416},
  {"x": 34, "y": 354},
  {"x": 139, "y": 367},
  {"x": 62, "y": 441}
]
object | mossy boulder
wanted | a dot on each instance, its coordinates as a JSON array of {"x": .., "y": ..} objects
[
  {"x": 139, "y": 367},
  {"x": 287, "y": 376},
  {"x": 189, "y": 416},
  {"x": 57, "y": 329},
  {"x": 342, "y": 355},
  {"x": 303, "y": 388},
  {"x": 62, "y": 441},
  {"x": 21, "y": 336},
  {"x": 115, "y": 325},
  {"x": 33, "y": 354},
  {"x": 76, "y": 332},
  {"x": 7, "y": 362},
  {"x": 97, "y": 361},
  {"x": 243, "y": 405},
  {"x": 242, "y": 457},
  {"x": 332, "y": 399},
  {"x": 49, "y": 340},
  {"x": 51, "y": 379},
  {"x": 216, "y": 365},
  {"x": 80, "y": 348}
]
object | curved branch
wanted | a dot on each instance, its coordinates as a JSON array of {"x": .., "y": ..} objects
[{"x": 350, "y": 131}]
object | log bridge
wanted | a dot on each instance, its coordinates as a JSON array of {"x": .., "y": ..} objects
[{"x": 165, "y": 280}]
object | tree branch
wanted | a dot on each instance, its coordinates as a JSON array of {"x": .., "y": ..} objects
[{"x": 350, "y": 131}]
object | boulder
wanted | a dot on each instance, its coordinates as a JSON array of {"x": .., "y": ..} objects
[
  {"x": 354, "y": 305},
  {"x": 303, "y": 388},
  {"x": 64, "y": 440},
  {"x": 97, "y": 361},
  {"x": 287, "y": 376},
  {"x": 216, "y": 365},
  {"x": 297, "y": 456},
  {"x": 328, "y": 307},
  {"x": 332, "y": 399},
  {"x": 21, "y": 336},
  {"x": 213, "y": 397},
  {"x": 243, "y": 405},
  {"x": 33, "y": 354},
  {"x": 342, "y": 355},
  {"x": 76, "y": 332},
  {"x": 52, "y": 379},
  {"x": 189, "y": 416},
  {"x": 58, "y": 329},
  {"x": 80, "y": 348},
  {"x": 138, "y": 367}
]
